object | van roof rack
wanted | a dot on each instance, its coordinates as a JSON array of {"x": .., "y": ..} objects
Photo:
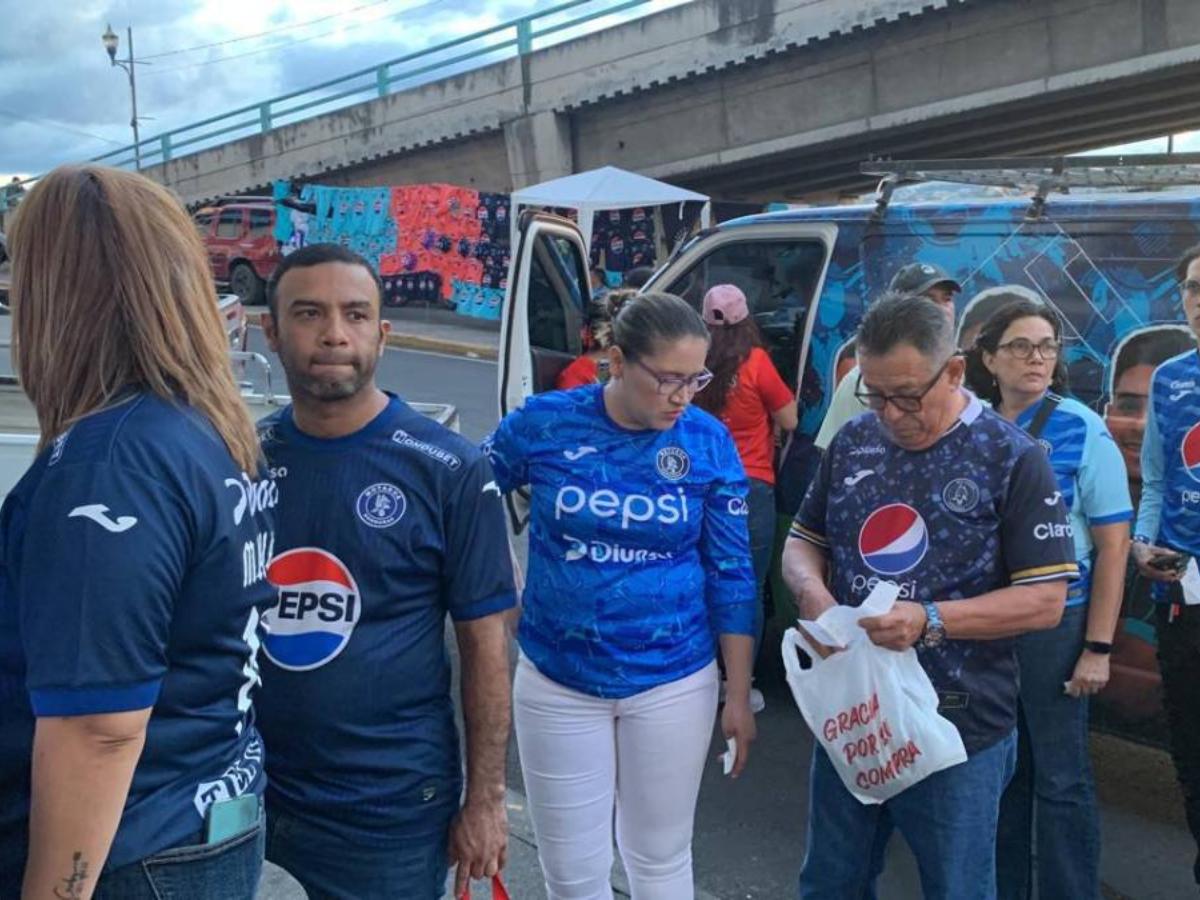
[
  {"x": 1041, "y": 174},
  {"x": 229, "y": 199}
]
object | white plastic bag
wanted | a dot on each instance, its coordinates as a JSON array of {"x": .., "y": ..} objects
[{"x": 874, "y": 711}]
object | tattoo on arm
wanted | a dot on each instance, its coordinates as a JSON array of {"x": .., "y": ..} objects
[{"x": 72, "y": 888}]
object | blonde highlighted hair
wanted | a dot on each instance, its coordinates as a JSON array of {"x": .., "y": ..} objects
[{"x": 111, "y": 289}]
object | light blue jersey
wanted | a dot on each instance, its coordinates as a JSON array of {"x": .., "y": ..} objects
[
  {"x": 1091, "y": 478},
  {"x": 638, "y": 547},
  {"x": 1169, "y": 513}
]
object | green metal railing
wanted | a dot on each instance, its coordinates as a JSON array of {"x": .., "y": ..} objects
[{"x": 518, "y": 37}]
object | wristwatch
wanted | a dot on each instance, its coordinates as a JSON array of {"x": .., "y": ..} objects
[
  {"x": 1102, "y": 647},
  {"x": 934, "y": 632}
]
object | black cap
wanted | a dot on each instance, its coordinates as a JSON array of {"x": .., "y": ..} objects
[{"x": 917, "y": 278}]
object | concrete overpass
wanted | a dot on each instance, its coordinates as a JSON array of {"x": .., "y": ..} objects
[{"x": 757, "y": 99}]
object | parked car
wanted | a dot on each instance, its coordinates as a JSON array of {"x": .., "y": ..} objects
[
  {"x": 239, "y": 235},
  {"x": 1105, "y": 262}
]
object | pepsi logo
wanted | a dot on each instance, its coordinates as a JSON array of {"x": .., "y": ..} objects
[
  {"x": 893, "y": 539},
  {"x": 318, "y": 607},
  {"x": 1190, "y": 451}
]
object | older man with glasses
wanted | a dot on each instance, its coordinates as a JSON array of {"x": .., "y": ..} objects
[
  {"x": 923, "y": 279},
  {"x": 960, "y": 508}
]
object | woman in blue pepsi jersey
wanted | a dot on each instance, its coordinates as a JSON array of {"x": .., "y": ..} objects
[
  {"x": 132, "y": 557},
  {"x": 639, "y": 570},
  {"x": 1016, "y": 364}
]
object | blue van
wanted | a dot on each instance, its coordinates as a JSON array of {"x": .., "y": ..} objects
[{"x": 1105, "y": 262}]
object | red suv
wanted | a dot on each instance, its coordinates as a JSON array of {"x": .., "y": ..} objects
[{"x": 239, "y": 234}]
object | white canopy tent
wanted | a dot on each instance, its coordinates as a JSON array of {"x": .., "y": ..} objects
[{"x": 603, "y": 189}]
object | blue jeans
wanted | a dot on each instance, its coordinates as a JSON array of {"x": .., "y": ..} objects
[
  {"x": 331, "y": 867},
  {"x": 761, "y": 522},
  {"x": 1051, "y": 803},
  {"x": 226, "y": 870},
  {"x": 948, "y": 819}
]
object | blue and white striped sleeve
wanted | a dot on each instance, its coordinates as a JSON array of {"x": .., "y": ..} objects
[
  {"x": 730, "y": 591},
  {"x": 1102, "y": 479}
]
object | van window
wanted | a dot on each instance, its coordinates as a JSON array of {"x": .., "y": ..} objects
[
  {"x": 204, "y": 223},
  {"x": 778, "y": 277},
  {"x": 262, "y": 223},
  {"x": 555, "y": 275},
  {"x": 230, "y": 224}
]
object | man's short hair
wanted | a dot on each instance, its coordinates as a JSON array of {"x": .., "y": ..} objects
[
  {"x": 897, "y": 319},
  {"x": 315, "y": 255},
  {"x": 1189, "y": 256}
]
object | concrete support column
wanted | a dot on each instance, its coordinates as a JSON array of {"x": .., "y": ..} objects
[{"x": 539, "y": 148}]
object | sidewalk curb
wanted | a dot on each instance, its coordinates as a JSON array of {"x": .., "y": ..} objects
[
  {"x": 402, "y": 340},
  {"x": 406, "y": 341}
]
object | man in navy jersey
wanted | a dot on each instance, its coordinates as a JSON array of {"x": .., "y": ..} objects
[
  {"x": 1166, "y": 540},
  {"x": 958, "y": 507},
  {"x": 387, "y": 522}
]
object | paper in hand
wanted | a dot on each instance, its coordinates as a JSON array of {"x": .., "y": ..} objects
[
  {"x": 838, "y": 626},
  {"x": 1190, "y": 582}
]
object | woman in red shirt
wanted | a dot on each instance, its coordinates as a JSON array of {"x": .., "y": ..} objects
[{"x": 748, "y": 395}]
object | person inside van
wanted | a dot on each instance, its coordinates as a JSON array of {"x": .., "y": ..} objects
[
  {"x": 748, "y": 395},
  {"x": 1049, "y": 812},
  {"x": 592, "y": 366},
  {"x": 919, "y": 278},
  {"x": 599, "y": 281},
  {"x": 637, "y": 277}
]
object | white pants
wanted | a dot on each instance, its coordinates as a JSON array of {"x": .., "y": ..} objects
[{"x": 582, "y": 756}]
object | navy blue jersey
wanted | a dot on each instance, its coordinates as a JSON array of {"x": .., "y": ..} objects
[
  {"x": 1169, "y": 512},
  {"x": 134, "y": 564},
  {"x": 1091, "y": 478},
  {"x": 977, "y": 511},
  {"x": 380, "y": 534},
  {"x": 638, "y": 547}
]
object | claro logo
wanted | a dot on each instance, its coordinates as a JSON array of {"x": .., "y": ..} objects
[{"x": 666, "y": 508}]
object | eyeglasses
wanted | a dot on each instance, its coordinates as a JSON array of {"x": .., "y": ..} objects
[
  {"x": 1191, "y": 287},
  {"x": 1022, "y": 348},
  {"x": 673, "y": 384},
  {"x": 906, "y": 403}
]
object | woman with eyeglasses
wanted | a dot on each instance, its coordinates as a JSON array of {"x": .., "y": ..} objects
[
  {"x": 639, "y": 569},
  {"x": 1016, "y": 364},
  {"x": 748, "y": 395}
]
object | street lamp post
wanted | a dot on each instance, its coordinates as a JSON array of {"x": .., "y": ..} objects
[{"x": 110, "y": 44}]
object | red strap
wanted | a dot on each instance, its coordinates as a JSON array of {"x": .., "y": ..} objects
[{"x": 499, "y": 891}]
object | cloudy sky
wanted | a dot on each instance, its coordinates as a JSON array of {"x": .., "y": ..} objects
[{"x": 60, "y": 100}]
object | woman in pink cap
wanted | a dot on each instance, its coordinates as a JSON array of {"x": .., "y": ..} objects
[{"x": 748, "y": 395}]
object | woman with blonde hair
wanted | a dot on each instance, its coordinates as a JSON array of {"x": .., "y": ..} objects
[{"x": 133, "y": 554}]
